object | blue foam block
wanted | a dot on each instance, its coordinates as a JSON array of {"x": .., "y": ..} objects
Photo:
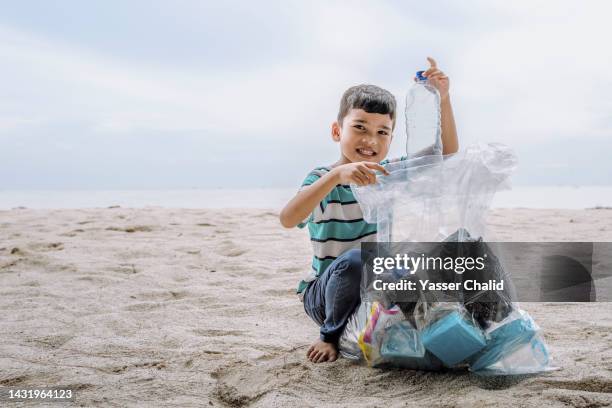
[
  {"x": 504, "y": 340},
  {"x": 453, "y": 339}
]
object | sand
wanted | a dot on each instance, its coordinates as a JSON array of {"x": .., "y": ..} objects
[{"x": 151, "y": 307}]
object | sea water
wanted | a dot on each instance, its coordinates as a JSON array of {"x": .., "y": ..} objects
[{"x": 275, "y": 198}]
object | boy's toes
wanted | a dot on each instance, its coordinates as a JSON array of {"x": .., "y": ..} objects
[
  {"x": 321, "y": 351},
  {"x": 332, "y": 356},
  {"x": 328, "y": 356}
]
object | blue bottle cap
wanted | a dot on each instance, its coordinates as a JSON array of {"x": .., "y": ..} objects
[{"x": 420, "y": 76}]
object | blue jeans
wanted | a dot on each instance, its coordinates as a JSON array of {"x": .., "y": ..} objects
[{"x": 332, "y": 297}]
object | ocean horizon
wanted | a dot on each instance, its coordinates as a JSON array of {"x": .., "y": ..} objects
[{"x": 563, "y": 197}]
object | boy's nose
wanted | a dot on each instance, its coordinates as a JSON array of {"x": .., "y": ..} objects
[{"x": 368, "y": 141}]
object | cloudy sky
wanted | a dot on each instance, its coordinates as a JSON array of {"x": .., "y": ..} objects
[{"x": 182, "y": 94}]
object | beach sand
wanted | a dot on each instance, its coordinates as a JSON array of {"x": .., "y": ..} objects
[{"x": 150, "y": 307}]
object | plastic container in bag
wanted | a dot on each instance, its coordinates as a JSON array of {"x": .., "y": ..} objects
[
  {"x": 504, "y": 339},
  {"x": 531, "y": 358},
  {"x": 454, "y": 337}
]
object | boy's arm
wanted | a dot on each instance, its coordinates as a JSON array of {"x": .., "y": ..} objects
[
  {"x": 304, "y": 202},
  {"x": 300, "y": 206},
  {"x": 450, "y": 142}
]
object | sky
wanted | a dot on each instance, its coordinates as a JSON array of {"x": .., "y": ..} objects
[{"x": 236, "y": 94}]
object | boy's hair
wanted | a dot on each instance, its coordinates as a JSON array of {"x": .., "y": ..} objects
[{"x": 370, "y": 98}]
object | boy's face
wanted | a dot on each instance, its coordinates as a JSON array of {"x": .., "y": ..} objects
[{"x": 363, "y": 136}]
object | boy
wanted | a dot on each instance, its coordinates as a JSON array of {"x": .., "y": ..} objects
[{"x": 326, "y": 204}]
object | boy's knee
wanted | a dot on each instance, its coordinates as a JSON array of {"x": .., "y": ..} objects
[
  {"x": 353, "y": 263},
  {"x": 354, "y": 257}
]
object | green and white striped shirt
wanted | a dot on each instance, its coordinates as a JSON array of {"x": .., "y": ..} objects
[{"x": 335, "y": 225}]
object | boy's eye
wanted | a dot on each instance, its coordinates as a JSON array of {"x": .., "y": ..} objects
[
  {"x": 360, "y": 127},
  {"x": 382, "y": 132}
]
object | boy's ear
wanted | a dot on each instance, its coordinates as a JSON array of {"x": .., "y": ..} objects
[{"x": 335, "y": 131}]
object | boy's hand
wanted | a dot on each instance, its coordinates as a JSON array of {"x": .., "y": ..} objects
[
  {"x": 360, "y": 173},
  {"x": 437, "y": 78}
]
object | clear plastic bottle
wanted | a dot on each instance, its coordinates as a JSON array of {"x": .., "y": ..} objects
[{"x": 424, "y": 136}]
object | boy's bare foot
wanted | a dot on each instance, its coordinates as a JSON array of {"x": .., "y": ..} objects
[{"x": 321, "y": 351}]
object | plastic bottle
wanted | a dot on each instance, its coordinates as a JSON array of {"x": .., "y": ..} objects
[{"x": 424, "y": 136}]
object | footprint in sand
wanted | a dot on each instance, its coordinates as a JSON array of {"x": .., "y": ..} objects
[
  {"x": 131, "y": 229},
  {"x": 241, "y": 384},
  {"x": 189, "y": 250},
  {"x": 44, "y": 247},
  {"x": 229, "y": 248},
  {"x": 581, "y": 400},
  {"x": 92, "y": 278},
  {"x": 10, "y": 381},
  {"x": 291, "y": 269},
  {"x": 11, "y": 263},
  {"x": 266, "y": 214},
  {"x": 51, "y": 341},
  {"x": 72, "y": 233},
  {"x": 286, "y": 375},
  {"x": 162, "y": 295},
  {"x": 143, "y": 306},
  {"x": 126, "y": 268},
  {"x": 217, "y": 333},
  {"x": 588, "y": 384},
  {"x": 279, "y": 292},
  {"x": 158, "y": 365}
]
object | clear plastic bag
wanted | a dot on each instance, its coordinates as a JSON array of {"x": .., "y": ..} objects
[
  {"x": 426, "y": 199},
  {"x": 348, "y": 344},
  {"x": 444, "y": 200}
]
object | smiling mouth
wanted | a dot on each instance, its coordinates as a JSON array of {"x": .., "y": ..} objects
[{"x": 366, "y": 152}]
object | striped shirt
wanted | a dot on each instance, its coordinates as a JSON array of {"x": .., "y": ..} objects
[{"x": 335, "y": 225}]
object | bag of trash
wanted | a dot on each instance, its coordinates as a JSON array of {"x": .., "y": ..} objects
[{"x": 442, "y": 201}]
